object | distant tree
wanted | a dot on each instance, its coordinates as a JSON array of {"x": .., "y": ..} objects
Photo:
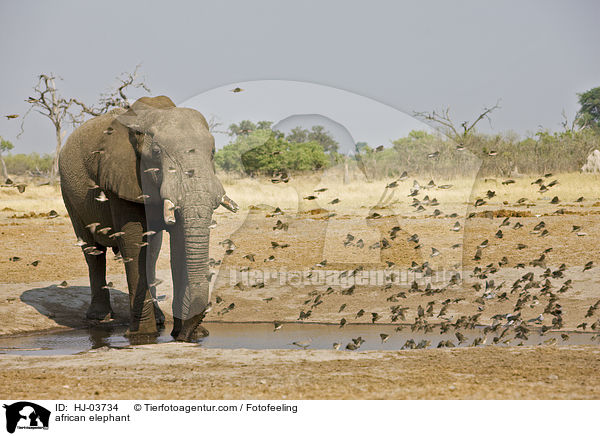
[
  {"x": 245, "y": 127},
  {"x": 277, "y": 154},
  {"x": 297, "y": 135},
  {"x": 589, "y": 113},
  {"x": 229, "y": 158},
  {"x": 323, "y": 137},
  {"x": 359, "y": 146},
  {"x": 5, "y": 146},
  {"x": 316, "y": 134},
  {"x": 264, "y": 125}
]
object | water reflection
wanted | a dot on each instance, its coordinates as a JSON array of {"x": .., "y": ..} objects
[{"x": 288, "y": 336}]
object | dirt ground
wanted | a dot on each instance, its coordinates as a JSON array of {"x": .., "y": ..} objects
[
  {"x": 492, "y": 289},
  {"x": 183, "y": 371}
]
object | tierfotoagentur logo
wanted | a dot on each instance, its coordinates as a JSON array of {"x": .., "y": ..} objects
[{"x": 26, "y": 415}]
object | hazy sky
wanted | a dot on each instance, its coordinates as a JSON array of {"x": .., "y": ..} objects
[{"x": 534, "y": 55}]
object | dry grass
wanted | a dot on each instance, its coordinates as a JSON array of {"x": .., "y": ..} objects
[
  {"x": 34, "y": 199},
  {"x": 358, "y": 194}
]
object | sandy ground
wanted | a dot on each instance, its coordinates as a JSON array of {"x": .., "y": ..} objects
[
  {"x": 32, "y": 299},
  {"x": 183, "y": 371}
]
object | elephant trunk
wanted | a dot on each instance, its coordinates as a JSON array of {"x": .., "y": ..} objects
[{"x": 189, "y": 259}]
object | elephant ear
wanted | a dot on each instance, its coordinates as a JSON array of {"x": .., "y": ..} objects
[{"x": 119, "y": 165}]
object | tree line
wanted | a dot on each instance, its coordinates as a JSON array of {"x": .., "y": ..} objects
[{"x": 256, "y": 149}]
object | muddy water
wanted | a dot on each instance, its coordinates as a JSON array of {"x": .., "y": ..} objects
[{"x": 289, "y": 336}]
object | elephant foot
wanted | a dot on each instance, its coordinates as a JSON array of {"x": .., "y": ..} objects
[
  {"x": 100, "y": 308},
  {"x": 99, "y": 313},
  {"x": 189, "y": 330},
  {"x": 141, "y": 338},
  {"x": 142, "y": 331}
]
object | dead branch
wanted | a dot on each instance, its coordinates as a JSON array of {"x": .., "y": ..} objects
[{"x": 442, "y": 118}]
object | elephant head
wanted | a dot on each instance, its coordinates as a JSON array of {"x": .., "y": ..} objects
[{"x": 162, "y": 155}]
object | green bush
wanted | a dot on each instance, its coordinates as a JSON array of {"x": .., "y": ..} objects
[
  {"x": 490, "y": 155},
  {"x": 265, "y": 152},
  {"x": 25, "y": 163}
]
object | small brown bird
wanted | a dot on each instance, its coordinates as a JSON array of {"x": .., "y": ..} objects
[
  {"x": 12, "y": 116},
  {"x": 236, "y": 90}
]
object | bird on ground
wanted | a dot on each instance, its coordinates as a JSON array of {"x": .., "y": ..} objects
[
  {"x": 236, "y": 90},
  {"x": 280, "y": 225},
  {"x": 304, "y": 344}
]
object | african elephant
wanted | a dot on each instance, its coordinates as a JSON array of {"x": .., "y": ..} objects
[{"x": 126, "y": 176}]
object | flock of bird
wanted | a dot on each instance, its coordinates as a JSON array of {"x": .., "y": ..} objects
[{"x": 537, "y": 289}]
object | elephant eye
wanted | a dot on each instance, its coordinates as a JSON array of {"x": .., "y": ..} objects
[{"x": 156, "y": 152}]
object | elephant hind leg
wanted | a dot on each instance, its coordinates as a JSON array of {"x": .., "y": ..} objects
[{"x": 100, "y": 308}]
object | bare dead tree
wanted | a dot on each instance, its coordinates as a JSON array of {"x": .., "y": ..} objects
[
  {"x": 462, "y": 134},
  {"x": 572, "y": 126},
  {"x": 59, "y": 110},
  {"x": 48, "y": 102},
  {"x": 116, "y": 98},
  {"x": 213, "y": 124}
]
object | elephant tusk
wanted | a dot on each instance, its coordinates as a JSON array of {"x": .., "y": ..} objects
[
  {"x": 169, "y": 212},
  {"x": 229, "y": 204}
]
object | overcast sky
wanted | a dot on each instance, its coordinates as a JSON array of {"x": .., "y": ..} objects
[{"x": 534, "y": 56}]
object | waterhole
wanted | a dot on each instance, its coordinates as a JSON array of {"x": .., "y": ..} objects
[{"x": 358, "y": 337}]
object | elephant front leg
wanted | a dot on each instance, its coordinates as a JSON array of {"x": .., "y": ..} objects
[
  {"x": 100, "y": 308},
  {"x": 154, "y": 244},
  {"x": 128, "y": 219}
]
